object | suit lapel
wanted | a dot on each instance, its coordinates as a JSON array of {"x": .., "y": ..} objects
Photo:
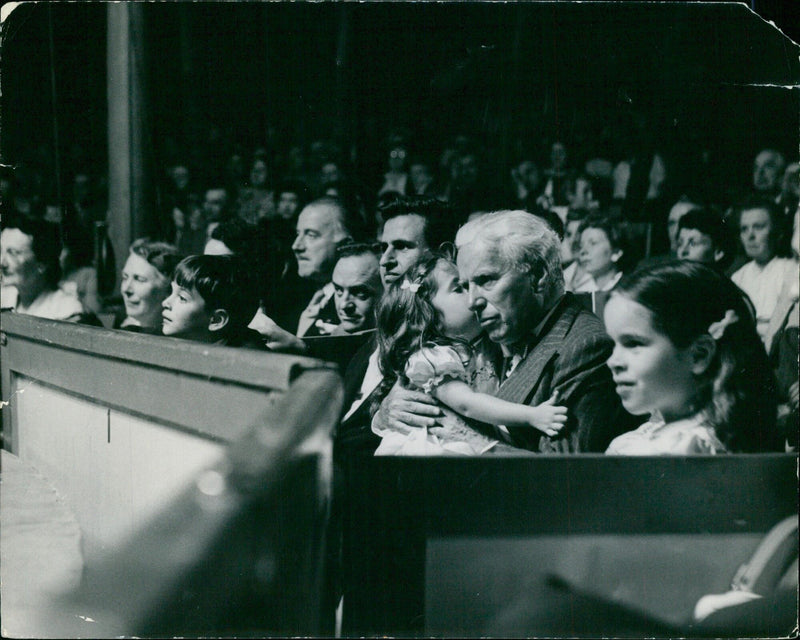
[
  {"x": 524, "y": 380},
  {"x": 356, "y": 371}
]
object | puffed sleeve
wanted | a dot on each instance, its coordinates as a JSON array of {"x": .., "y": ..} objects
[
  {"x": 697, "y": 441},
  {"x": 430, "y": 366}
]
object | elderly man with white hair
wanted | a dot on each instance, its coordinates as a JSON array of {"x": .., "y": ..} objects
[{"x": 510, "y": 262}]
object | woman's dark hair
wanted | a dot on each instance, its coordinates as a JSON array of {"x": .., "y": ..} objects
[
  {"x": 407, "y": 320},
  {"x": 737, "y": 393},
  {"x": 711, "y": 223},
  {"x": 45, "y": 244},
  {"x": 163, "y": 256},
  {"x": 223, "y": 283},
  {"x": 238, "y": 235}
]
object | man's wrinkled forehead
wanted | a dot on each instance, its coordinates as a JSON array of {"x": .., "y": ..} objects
[
  {"x": 408, "y": 228},
  {"x": 320, "y": 217},
  {"x": 478, "y": 254}
]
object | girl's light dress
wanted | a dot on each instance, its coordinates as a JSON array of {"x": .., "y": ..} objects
[
  {"x": 425, "y": 370},
  {"x": 658, "y": 438}
]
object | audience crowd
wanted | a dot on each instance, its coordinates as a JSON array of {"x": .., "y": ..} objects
[{"x": 586, "y": 304}]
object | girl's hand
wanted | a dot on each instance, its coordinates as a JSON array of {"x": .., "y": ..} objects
[{"x": 548, "y": 417}]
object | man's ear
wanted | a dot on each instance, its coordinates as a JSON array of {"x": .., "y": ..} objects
[
  {"x": 218, "y": 320},
  {"x": 703, "y": 350},
  {"x": 616, "y": 255},
  {"x": 719, "y": 254},
  {"x": 538, "y": 277}
]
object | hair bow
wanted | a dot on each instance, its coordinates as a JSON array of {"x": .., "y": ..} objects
[
  {"x": 717, "y": 329},
  {"x": 413, "y": 287}
]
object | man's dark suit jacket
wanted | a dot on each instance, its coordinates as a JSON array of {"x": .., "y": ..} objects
[
  {"x": 327, "y": 314},
  {"x": 569, "y": 356},
  {"x": 355, "y": 433}
]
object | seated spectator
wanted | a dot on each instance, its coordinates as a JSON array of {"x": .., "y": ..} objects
[
  {"x": 420, "y": 173},
  {"x": 256, "y": 200},
  {"x": 212, "y": 301},
  {"x": 189, "y": 222},
  {"x": 575, "y": 278},
  {"x": 215, "y": 207},
  {"x": 703, "y": 237},
  {"x": 357, "y": 287},
  {"x": 145, "y": 284},
  {"x": 396, "y": 177},
  {"x": 683, "y": 206},
  {"x": 556, "y": 175},
  {"x": 330, "y": 175},
  {"x": 526, "y": 181},
  {"x": 603, "y": 252},
  {"x": 580, "y": 193},
  {"x": 768, "y": 168},
  {"x": 687, "y": 354},
  {"x": 467, "y": 190},
  {"x": 290, "y": 198},
  {"x": 29, "y": 263},
  {"x": 766, "y": 273}
]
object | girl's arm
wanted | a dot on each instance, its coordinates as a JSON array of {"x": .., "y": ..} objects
[{"x": 457, "y": 395}]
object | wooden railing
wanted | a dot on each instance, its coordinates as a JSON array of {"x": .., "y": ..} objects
[
  {"x": 200, "y": 476},
  {"x": 553, "y": 546}
]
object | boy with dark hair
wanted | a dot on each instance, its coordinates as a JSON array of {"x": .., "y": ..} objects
[
  {"x": 212, "y": 300},
  {"x": 703, "y": 237}
]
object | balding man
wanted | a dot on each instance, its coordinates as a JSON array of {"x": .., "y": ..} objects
[{"x": 322, "y": 226}]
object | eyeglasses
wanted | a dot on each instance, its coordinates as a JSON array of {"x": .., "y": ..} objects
[{"x": 397, "y": 153}]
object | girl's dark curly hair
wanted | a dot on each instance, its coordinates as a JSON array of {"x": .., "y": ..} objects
[
  {"x": 737, "y": 393},
  {"x": 408, "y": 321}
]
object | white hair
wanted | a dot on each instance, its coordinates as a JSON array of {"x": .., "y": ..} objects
[{"x": 523, "y": 241}]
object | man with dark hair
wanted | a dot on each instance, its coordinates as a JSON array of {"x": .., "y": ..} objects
[
  {"x": 357, "y": 287},
  {"x": 412, "y": 226}
]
